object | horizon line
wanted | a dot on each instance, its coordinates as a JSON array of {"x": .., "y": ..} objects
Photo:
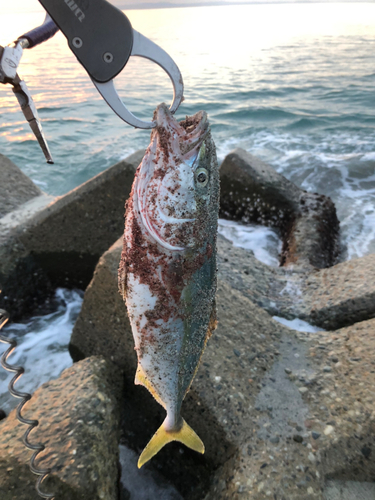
[
  {"x": 218, "y": 3},
  {"x": 222, "y": 3}
]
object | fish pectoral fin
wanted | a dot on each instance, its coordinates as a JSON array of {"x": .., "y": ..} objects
[{"x": 184, "y": 435}]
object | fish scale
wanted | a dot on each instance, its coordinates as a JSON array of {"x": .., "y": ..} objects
[{"x": 168, "y": 270}]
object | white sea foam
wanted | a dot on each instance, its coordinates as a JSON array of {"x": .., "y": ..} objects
[
  {"x": 368, "y": 156},
  {"x": 263, "y": 241},
  {"x": 332, "y": 164},
  {"x": 293, "y": 290},
  {"x": 298, "y": 324},
  {"x": 42, "y": 346},
  {"x": 41, "y": 184}
]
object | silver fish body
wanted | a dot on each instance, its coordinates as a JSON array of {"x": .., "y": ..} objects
[{"x": 168, "y": 268}]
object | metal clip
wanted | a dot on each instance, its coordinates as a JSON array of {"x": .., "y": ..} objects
[
  {"x": 10, "y": 57},
  {"x": 30, "y": 112},
  {"x": 144, "y": 47}
]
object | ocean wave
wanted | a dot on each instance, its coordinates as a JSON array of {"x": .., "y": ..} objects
[
  {"x": 338, "y": 164},
  {"x": 300, "y": 99},
  {"x": 42, "y": 345}
]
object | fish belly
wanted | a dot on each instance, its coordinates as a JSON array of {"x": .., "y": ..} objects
[{"x": 158, "y": 343}]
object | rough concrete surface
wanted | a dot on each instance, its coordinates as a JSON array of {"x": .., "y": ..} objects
[
  {"x": 79, "y": 425},
  {"x": 251, "y": 190},
  {"x": 15, "y": 187},
  {"x": 330, "y": 298},
  {"x": 60, "y": 244},
  {"x": 343, "y": 400},
  {"x": 312, "y": 417},
  {"x": 349, "y": 490},
  {"x": 24, "y": 212},
  {"x": 103, "y": 327},
  {"x": 341, "y": 295}
]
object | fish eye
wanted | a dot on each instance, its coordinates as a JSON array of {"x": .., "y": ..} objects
[{"x": 202, "y": 177}]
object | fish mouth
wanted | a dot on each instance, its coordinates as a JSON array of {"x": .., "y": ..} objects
[
  {"x": 165, "y": 188},
  {"x": 196, "y": 127},
  {"x": 189, "y": 133}
]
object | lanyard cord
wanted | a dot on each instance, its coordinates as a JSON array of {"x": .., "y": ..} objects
[{"x": 25, "y": 397}]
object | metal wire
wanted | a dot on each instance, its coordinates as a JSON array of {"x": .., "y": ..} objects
[{"x": 19, "y": 371}]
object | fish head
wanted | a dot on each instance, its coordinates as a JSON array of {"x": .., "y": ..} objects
[{"x": 178, "y": 180}]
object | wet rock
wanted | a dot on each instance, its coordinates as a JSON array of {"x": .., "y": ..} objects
[
  {"x": 43, "y": 247},
  {"x": 341, "y": 295},
  {"x": 330, "y": 298},
  {"x": 345, "y": 402},
  {"x": 349, "y": 490},
  {"x": 103, "y": 327},
  {"x": 15, "y": 187},
  {"x": 79, "y": 416},
  {"x": 251, "y": 190}
]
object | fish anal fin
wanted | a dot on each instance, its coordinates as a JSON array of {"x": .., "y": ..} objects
[
  {"x": 141, "y": 379},
  {"x": 184, "y": 435}
]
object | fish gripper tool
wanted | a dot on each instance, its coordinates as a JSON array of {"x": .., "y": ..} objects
[{"x": 25, "y": 397}]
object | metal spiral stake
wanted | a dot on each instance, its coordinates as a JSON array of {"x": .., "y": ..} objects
[{"x": 19, "y": 371}]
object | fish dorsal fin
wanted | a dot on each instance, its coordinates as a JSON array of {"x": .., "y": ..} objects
[{"x": 184, "y": 435}]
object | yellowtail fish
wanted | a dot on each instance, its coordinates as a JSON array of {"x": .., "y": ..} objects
[{"x": 168, "y": 269}]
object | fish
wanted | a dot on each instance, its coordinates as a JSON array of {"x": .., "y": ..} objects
[{"x": 168, "y": 267}]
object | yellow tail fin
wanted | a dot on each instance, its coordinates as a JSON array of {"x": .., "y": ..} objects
[{"x": 185, "y": 435}]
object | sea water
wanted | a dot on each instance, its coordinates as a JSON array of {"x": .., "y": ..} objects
[
  {"x": 42, "y": 346},
  {"x": 292, "y": 84}
]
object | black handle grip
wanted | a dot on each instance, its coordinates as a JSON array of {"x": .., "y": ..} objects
[
  {"x": 99, "y": 34},
  {"x": 40, "y": 34}
]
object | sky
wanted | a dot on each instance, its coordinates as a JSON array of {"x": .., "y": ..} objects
[
  {"x": 186, "y": 3},
  {"x": 15, "y": 6},
  {"x": 34, "y": 5}
]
